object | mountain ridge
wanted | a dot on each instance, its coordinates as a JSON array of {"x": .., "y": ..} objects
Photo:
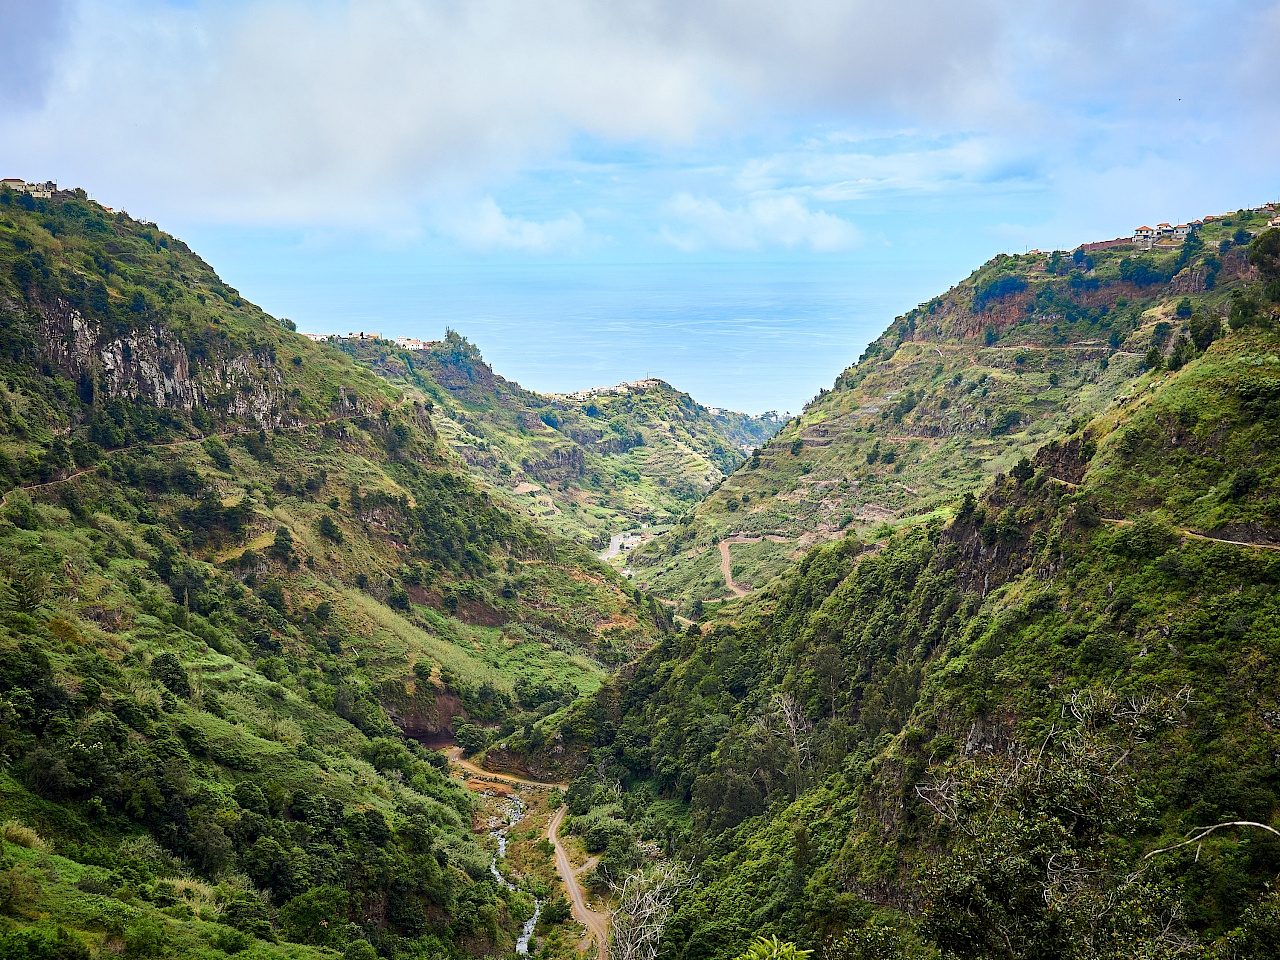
[
  {"x": 954, "y": 392},
  {"x": 588, "y": 464}
]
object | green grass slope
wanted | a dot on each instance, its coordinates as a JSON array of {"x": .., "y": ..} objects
[
  {"x": 242, "y": 581},
  {"x": 959, "y": 390},
  {"x": 641, "y": 453},
  {"x": 1046, "y": 728}
]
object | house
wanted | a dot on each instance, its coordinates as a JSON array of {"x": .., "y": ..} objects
[
  {"x": 1145, "y": 234},
  {"x": 1164, "y": 228},
  {"x": 1181, "y": 231},
  {"x": 1274, "y": 222},
  {"x": 412, "y": 343},
  {"x": 41, "y": 191}
]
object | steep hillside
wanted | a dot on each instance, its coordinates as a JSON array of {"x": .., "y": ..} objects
[
  {"x": 954, "y": 393},
  {"x": 587, "y": 465},
  {"x": 1047, "y": 728},
  {"x": 240, "y": 579}
]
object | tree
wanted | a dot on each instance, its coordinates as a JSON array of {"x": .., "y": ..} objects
[
  {"x": 328, "y": 529},
  {"x": 1264, "y": 253},
  {"x": 1184, "y": 352},
  {"x": 28, "y": 583},
  {"x": 282, "y": 547},
  {"x": 1035, "y": 865},
  {"x": 1204, "y": 330},
  {"x": 1154, "y": 360},
  {"x": 168, "y": 669},
  {"x": 793, "y": 727},
  {"x": 644, "y": 904},
  {"x": 1245, "y": 311}
]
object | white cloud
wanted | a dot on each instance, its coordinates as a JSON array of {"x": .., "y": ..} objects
[
  {"x": 370, "y": 111},
  {"x": 284, "y": 110},
  {"x": 699, "y": 223},
  {"x": 486, "y": 227}
]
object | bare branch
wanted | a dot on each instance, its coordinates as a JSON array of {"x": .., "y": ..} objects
[{"x": 1199, "y": 833}]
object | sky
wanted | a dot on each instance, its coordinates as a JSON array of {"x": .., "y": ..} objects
[{"x": 734, "y": 195}]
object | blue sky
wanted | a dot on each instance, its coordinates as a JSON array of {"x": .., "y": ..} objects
[{"x": 735, "y": 196}]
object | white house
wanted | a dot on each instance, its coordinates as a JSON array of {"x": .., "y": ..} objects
[
  {"x": 1164, "y": 228},
  {"x": 1181, "y": 231},
  {"x": 1145, "y": 234},
  {"x": 42, "y": 191}
]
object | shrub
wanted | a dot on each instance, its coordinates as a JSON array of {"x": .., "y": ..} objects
[
  {"x": 42, "y": 944},
  {"x": 328, "y": 529},
  {"x": 21, "y": 836},
  {"x": 771, "y": 948}
]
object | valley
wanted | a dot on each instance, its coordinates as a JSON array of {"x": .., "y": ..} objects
[{"x": 353, "y": 648}]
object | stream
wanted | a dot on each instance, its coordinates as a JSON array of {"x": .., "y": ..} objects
[{"x": 515, "y": 813}]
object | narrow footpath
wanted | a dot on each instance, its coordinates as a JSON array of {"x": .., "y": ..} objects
[
  {"x": 185, "y": 441},
  {"x": 597, "y": 923},
  {"x": 1201, "y": 536}
]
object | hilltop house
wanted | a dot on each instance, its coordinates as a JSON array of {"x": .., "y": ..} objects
[
  {"x": 41, "y": 191},
  {"x": 1164, "y": 234}
]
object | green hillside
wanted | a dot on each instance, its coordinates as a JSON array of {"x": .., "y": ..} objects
[
  {"x": 242, "y": 582},
  {"x": 586, "y": 466},
  {"x": 954, "y": 393},
  {"x": 1045, "y": 728}
]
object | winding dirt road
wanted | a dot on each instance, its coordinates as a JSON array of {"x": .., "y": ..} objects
[
  {"x": 726, "y": 563},
  {"x": 597, "y": 923},
  {"x": 725, "y": 569}
]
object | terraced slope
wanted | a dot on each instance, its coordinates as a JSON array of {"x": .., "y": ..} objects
[
  {"x": 587, "y": 465},
  {"x": 955, "y": 393}
]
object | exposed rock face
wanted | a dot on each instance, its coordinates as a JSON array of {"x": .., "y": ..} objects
[{"x": 152, "y": 366}]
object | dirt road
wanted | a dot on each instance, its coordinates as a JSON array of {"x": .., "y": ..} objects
[
  {"x": 726, "y": 563},
  {"x": 597, "y": 923},
  {"x": 725, "y": 568},
  {"x": 455, "y": 756}
]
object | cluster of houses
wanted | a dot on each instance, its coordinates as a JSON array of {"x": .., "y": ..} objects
[
  {"x": 404, "y": 343},
  {"x": 621, "y": 389},
  {"x": 1167, "y": 234},
  {"x": 1148, "y": 237},
  {"x": 41, "y": 191}
]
